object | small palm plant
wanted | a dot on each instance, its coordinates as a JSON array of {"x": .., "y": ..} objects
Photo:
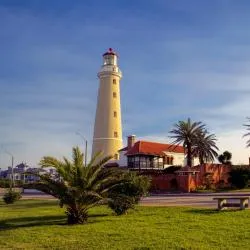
[{"x": 79, "y": 187}]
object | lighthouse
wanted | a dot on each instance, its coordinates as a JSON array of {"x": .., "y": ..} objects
[{"x": 108, "y": 127}]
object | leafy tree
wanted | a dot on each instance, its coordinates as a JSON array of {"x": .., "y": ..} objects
[
  {"x": 195, "y": 139},
  {"x": 205, "y": 146},
  {"x": 79, "y": 187},
  {"x": 125, "y": 195},
  {"x": 225, "y": 158},
  {"x": 248, "y": 133},
  {"x": 240, "y": 176}
]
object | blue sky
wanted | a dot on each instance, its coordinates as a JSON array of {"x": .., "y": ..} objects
[{"x": 179, "y": 59}]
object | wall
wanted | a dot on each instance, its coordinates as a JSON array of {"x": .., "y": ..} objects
[
  {"x": 179, "y": 158},
  {"x": 162, "y": 182},
  {"x": 189, "y": 181},
  {"x": 218, "y": 172},
  {"x": 122, "y": 162}
]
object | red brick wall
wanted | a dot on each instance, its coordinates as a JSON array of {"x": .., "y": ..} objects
[
  {"x": 162, "y": 182},
  {"x": 189, "y": 182},
  {"x": 218, "y": 172}
]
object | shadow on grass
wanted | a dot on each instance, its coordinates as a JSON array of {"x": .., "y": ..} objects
[
  {"x": 32, "y": 221},
  {"x": 211, "y": 211},
  {"x": 23, "y": 222},
  {"x": 30, "y": 204}
]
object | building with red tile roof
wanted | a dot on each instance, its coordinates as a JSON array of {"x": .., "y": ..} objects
[
  {"x": 150, "y": 155},
  {"x": 154, "y": 148}
]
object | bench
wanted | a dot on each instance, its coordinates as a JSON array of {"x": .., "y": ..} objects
[{"x": 224, "y": 202}]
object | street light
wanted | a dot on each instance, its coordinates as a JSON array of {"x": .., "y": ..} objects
[
  {"x": 12, "y": 183},
  {"x": 86, "y": 146}
]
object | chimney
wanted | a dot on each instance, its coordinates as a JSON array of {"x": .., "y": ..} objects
[{"x": 131, "y": 141}]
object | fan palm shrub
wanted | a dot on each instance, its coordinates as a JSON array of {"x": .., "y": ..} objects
[{"x": 79, "y": 187}]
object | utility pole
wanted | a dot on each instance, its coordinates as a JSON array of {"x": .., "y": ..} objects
[{"x": 12, "y": 179}]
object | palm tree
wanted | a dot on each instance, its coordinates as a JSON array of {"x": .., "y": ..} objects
[
  {"x": 205, "y": 147},
  {"x": 184, "y": 133},
  {"x": 225, "y": 158},
  {"x": 79, "y": 187},
  {"x": 248, "y": 129}
]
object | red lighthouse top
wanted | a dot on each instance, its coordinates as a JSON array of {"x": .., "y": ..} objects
[{"x": 110, "y": 52}]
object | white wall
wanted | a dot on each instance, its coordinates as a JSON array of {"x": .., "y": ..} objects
[{"x": 122, "y": 159}]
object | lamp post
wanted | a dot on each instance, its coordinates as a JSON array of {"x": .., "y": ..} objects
[
  {"x": 12, "y": 183},
  {"x": 86, "y": 146}
]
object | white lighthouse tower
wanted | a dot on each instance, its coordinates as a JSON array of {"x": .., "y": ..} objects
[{"x": 108, "y": 127}]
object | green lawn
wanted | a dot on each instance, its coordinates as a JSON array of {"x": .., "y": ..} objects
[{"x": 38, "y": 224}]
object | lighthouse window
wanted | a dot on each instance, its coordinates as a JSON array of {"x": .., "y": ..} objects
[
  {"x": 114, "y": 81},
  {"x": 115, "y": 134},
  {"x": 114, "y": 94},
  {"x": 115, "y": 114}
]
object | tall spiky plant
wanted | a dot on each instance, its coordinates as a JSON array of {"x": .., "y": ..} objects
[
  {"x": 248, "y": 133},
  {"x": 79, "y": 187},
  {"x": 184, "y": 133}
]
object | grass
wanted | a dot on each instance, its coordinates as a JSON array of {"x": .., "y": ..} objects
[{"x": 40, "y": 224}]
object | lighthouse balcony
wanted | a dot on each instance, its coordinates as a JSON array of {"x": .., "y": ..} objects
[{"x": 110, "y": 68}]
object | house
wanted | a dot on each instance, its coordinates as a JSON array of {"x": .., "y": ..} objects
[
  {"x": 23, "y": 172},
  {"x": 143, "y": 155}
]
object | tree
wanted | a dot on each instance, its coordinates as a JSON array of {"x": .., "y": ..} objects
[
  {"x": 79, "y": 187},
  {"x": 205, "y": 146},
  {"x": 185, "y": 133},
  {"x": 248, "y": 133},
  {"x": 240, "y": 176},
  {"x": 225, "y": 158}
]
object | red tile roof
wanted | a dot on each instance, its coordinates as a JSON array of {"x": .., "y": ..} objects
[{"x": 153, "y": 148}]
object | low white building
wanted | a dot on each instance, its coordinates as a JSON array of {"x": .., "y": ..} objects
[{"x": 151, "y": 155}]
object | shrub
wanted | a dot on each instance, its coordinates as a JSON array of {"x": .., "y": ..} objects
[
  {"x": 239, "y": 176},
  {"x": 124, "y": 196},
  {"x": 4, "y": 183},
  {"x": 11, "y": 196},
  {"x": 120, "y": 204}
]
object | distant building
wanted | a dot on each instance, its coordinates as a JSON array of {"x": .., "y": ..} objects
[{"x": 23, "y": 172}]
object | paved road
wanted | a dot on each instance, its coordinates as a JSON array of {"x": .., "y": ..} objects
[
  {"x": 187, "y": 199},
  {"x": 184, "y": 199}
]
